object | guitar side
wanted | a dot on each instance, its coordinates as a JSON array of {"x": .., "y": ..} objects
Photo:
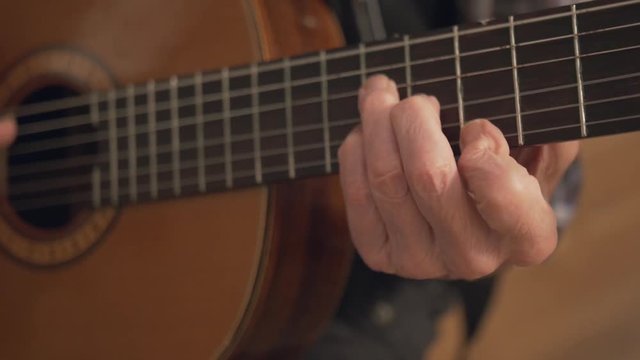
[{"x": 245, "y": 274}]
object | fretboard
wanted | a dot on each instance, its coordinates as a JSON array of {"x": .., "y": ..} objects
[{"x": 562, "y": 74}]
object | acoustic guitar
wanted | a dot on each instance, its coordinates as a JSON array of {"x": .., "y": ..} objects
[{"x": 193, "y": 216}]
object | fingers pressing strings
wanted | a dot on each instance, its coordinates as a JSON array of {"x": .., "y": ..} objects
[
  {"x": 507, "y": 197},
  {"x": 412, "y": 249}
]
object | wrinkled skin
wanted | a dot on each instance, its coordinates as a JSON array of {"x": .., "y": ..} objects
[{"x": 416, "y": 212}]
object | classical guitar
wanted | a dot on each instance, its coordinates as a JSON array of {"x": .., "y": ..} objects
[{"x": 154, "y": 215}]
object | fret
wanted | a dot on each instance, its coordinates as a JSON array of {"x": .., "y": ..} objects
[
  {"x": 534, "y": 32},
  {"x": 392, "y": 61},
  {"x": 153, "y": 146},
  {"x": 516, "y": 81},
  {"x": 132, "y": 147},
  {"x": 595, "y": 15},
  {"x": 96, "y": 187},
  {"x": 311, "y": 118},
  {"x": 274, "y": 140},
  {"x": 289, "y": 117},
  {"x": 363, "y": 63},
  {"x": 113, "y": 147},
  {"x": 443, "y": 68},
  {"x": 175, "y": 135},
  {"x": 459, "y": 89},
  {"x": 243, "y": 131},
  {"x": 489, "y": 76},
  {"x": 94, "y": 109},
  {"x": 199, "y": 113},
  {"x": 598, "y": 53},
  {"x": 610, "y": 78},
  {"x": 255, "y": 119},
  {"x": 576, "y": 47},
  {"x": 96, "y": 181},
  {"x": 546, "y": 84},
  {"x": 325, "y": 112},
  {"x": 407, "y": 64},
  {"x": 524, "y": 82},
  {"x": 226, "y": 110}
]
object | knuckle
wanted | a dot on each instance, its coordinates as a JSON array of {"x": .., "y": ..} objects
[
  {"x": 536, "y": 252},
  {"x": 431, "y": 181},
  {"x": 535, "y": 244},
  {"x": 420, "y": 267},
  {"x": 389, "y": 184},
  {"x": 411, "y": 107},
  {"x": 357, "y": 195},
  {"x": 378, "y": 262},
  {"x": 475, "y": 267},
  {"x": 375, "y": 101},
  {"x": 471, "y": 159},
  {"x": 410, "y": 266}
]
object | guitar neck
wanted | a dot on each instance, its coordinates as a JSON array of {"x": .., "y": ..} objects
[{"x": 563, "y": 74}]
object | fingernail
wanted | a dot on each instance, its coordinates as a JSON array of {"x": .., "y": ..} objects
[{"x": 376, "y": 83}]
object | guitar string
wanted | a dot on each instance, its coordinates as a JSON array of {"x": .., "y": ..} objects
[
  {"x": 51, "y": 165},
  {"x": 35, "y": 146},
  {"x": 74, "y": 197},
  {"x": 344, "y": 53},
  {"x": 80, "y": 160},
  {"x": 60, "y": 182},
  {"x": 79, "y": 120}
]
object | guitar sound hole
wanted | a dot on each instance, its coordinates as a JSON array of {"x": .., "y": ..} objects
[{"x": 51, "y": 160}]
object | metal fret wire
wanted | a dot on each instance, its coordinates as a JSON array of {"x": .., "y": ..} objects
[
  {"x": 288, "y": 109},
  {"x": 576, "y": 48},
  {"x": 574, "y": 84},
  {"x": 41, "y": 145},
  {"x": 37, "y": 185},
  {"x": 153, "y": 139},
  {"x": 202, "y": 172},
  {"x": 113, "y": 149},
  {"x": 325, "y": 113},
  {"x": 154, "y": 150},
  {"x": 228, "y": 163},
  {"x": 86, "y": 195},
  {"x": 78, "y": 120},
  {"x": 407, "y": 67},
  {"x": 516, "y": 80},
  {"x": 132, "y": 147},
  {"x": 175, "y": 136},
  {"x": 34, "y": 109},
  {"x": 96, "y": 174},
  {"x": 459, "y": 89},
  {"x": 255, "y": 119}
]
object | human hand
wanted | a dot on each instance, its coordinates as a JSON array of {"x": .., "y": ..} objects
[{"x": 415, "y": 213}]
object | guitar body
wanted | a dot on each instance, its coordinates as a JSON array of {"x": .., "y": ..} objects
[{"x": 247, "y": 274}]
